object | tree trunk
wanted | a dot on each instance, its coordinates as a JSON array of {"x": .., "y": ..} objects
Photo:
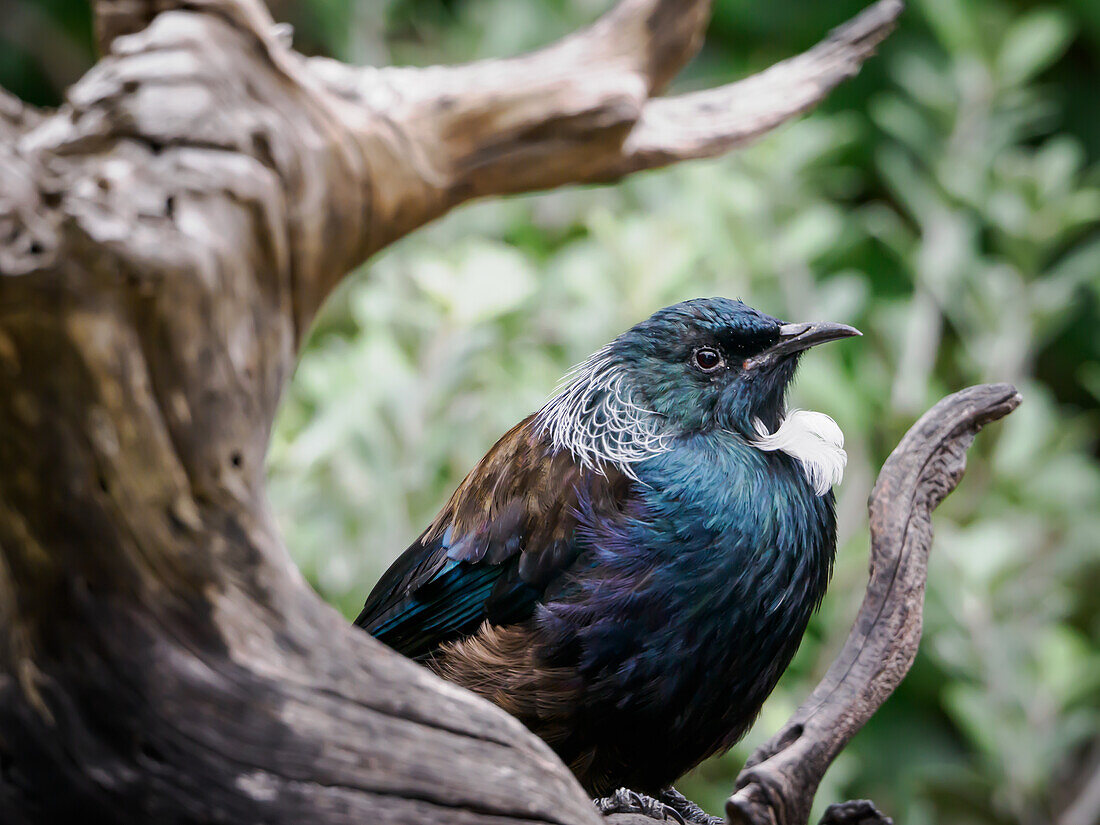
[{"x": 166, "y": 238}]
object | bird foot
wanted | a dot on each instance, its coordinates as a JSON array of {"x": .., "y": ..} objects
[
  {"x": 626, "y": 801},
  {"x": 687, "y": 809},
  {"x": 856, "y": 812}
]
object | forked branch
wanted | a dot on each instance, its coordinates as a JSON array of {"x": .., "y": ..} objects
[
  {"x": 394, "y": 148},
  {"x": 579, "y": 111}
]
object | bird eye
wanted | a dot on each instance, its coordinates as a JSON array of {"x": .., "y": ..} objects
[{"x": 707, "y": 359}]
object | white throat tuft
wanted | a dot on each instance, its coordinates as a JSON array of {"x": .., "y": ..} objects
[{"x": 811, "y": 438}]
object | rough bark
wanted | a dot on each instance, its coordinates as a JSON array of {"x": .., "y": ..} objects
[{"x": 166, "y": 237}]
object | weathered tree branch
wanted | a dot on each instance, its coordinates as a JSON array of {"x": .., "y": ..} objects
[
  {"x": 579, "y": 111},
  {"x": 781, "y": 777},
  {"x": 390, "y": 149},
  {"x": 15, "y": 116},
  {"x": 714, "y": 121},
  {"x": 19, "y": 203},
  {"x": 165, "y": 239},
  {"x": 116, "y": 18}
]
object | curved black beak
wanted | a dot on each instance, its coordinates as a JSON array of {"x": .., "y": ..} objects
[{"x": 797, "y": 337}]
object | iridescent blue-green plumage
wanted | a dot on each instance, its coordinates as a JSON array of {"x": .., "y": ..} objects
[{"x": 628, "y": 571}]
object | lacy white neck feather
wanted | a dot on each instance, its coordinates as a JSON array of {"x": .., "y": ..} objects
[
  {"x": 593, "y": 417},
  {"x": 814, "y": 440}
]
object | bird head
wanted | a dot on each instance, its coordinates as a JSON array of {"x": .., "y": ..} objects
[
  {"x": 694, "y": 366},
  {"x": 715, "y": 362}
]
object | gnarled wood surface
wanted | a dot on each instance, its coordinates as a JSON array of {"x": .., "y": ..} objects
[{"x": 166, "y": 237}]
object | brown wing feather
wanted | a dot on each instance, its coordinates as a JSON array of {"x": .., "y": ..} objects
[
  {"x": 523, "y": 490},
  {"x": 502, "y": 664},
  {"x": 505, "y": 534}
]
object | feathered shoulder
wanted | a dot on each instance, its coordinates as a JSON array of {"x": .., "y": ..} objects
[
  {"x": 509, "y": 529},
  {"x": 522, "y": 497}
]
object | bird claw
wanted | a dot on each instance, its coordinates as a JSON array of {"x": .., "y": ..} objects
[
  {"x": 855, "y": 812},
  {"x": 688, "y": 810},
  {"x": 626, "y": 801}
]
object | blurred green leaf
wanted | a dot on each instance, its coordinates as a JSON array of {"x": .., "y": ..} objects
[{"x": 1033, "y": 42}]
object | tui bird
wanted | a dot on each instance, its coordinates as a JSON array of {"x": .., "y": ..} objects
[{"x": 629, "y": 570}]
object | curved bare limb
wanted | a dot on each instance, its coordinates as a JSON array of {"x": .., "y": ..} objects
[
  {"x": 780, "y": 779},
  {"x": 711, "y": 122},
  {"x": 579, "y": 111},
  {"x": 394, "y": 148}
]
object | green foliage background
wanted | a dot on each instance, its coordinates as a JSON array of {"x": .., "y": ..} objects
[{"x": 947, "y": 202}]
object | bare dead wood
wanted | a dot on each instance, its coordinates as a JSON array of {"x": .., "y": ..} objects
[
  {"x": 379, "y": 152},
  {"x": 714, "y": 121},
  {"x": 165, "y": 239},
  {"x": 117, "y": 18},
  {"x": 780, "y": 779},
  {"x": 579, "y": 111}
]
